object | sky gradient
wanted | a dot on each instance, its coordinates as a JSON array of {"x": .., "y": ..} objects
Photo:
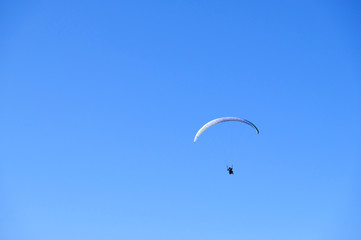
[{"x": 100, "y": 102}]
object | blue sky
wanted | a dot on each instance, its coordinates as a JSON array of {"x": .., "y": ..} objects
[{"x": 100, "y": 102}]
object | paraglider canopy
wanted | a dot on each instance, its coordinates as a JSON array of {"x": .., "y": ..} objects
[{"x": 223, "y": 119}]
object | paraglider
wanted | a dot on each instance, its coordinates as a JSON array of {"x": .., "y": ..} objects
[
  {"x": 230, "y": 169},
  {"x": 223, "y": 119},
  {"x": 220, "y": 120}
]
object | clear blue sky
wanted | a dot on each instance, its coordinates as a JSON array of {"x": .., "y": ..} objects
[{"x": 100, "y": 102}]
